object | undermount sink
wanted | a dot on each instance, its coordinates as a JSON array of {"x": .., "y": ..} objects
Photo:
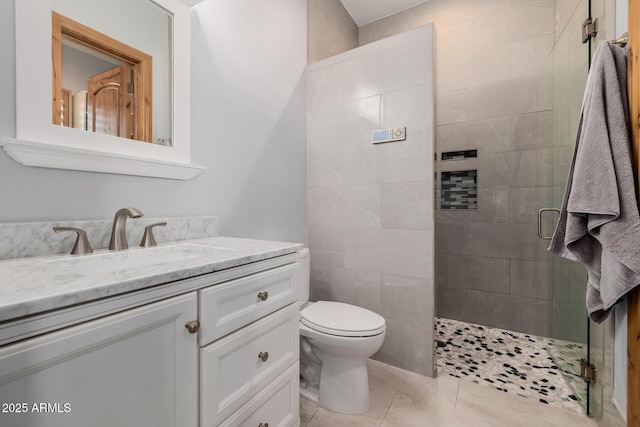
[{"x": 138, "y": 258}]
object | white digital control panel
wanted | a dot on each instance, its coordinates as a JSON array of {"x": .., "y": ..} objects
[{"x": 388, "y": 135}]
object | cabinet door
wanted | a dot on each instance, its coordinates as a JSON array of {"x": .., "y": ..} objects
[{"x": 136, "y": 368}]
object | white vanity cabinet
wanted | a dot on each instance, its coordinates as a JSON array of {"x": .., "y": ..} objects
[
  {"x": 139, "y": 358},
  {"x": 135, "y": 368},
  {"x": 213, "y": 349}
]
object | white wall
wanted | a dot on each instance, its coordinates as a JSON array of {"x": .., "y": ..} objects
[{"x": 248, "y": 129}]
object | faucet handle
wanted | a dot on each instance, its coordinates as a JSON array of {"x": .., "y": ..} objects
[
  {"x": 82, "y": 245},
  {"x": 148, "y": 239}
]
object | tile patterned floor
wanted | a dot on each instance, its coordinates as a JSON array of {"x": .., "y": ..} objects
[
  {"x": 404, "y": 399},
  {"x": 510, "y": 362}
]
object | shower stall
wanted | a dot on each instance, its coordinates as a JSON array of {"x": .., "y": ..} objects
[
  {"x": 446, "y": 224},
  {"x": 492, "y": 266}
]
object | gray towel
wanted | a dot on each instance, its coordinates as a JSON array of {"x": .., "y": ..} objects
[{"x": 599, "y": 223}]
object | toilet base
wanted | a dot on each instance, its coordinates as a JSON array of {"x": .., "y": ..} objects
[
  {"x": 354, "y": 402},
  {"x": 344, "y": 389}
]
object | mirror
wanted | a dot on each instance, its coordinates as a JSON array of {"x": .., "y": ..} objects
[
  {"x": 41, "y": 143},
  {"x": 118, "y": 83}
]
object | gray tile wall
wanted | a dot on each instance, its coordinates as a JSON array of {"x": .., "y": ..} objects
[
  {"x": 370, "y": 207},
  {"x": 331, "y": 29},
  {"x": 510, "y": 78}
]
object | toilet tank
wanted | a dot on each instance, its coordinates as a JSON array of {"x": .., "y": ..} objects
[{"x": 305, "y": 274}]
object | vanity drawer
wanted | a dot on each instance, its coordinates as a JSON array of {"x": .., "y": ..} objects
[
  {"x": 229, "y": 306},
  {"x": 237, "y": 367},
  {"x": 278, "y": 405}
]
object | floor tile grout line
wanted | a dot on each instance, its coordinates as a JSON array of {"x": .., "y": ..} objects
[{"x": 386, "y": 412}]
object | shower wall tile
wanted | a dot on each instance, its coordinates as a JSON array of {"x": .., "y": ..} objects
[
  {"x": 452, "y": 73},
  {"x": 367, "y": 291},
  {"x": 451, "y": 303},
  {"x": 331, "y": 29},
  {"x": 563, "y": 12},
  {"x": 362, "y": 76},
  {"x": 489, "y": 101},
  {"x": 402, "y": 161},
  {"x": 531, "y": 19},
  {"x": 332, "y": 284},
  {"x": 344, "y": 206},
  {"x": 530, "y": 279},
  {"x": 529, "y": 57},
  {"x": 412, "y": 63},
  {"x": 527, "y": 201},
  {"x": 324, "y": 88},
  {"x": 515, "y": 96},
  {"x": 488, "y": 66},
  {"x": 451, "y": 237},
  {"x": 325, "y": 166},
  {"x": 489, "y": 30},
  {"x": 403, "y": 299},
  {"x": 473, "y": 272},
  {"x": 407, "y": 205},
  {"x": 511, "y": 312},
  {"x": 327, "y": 258},
  {"x": 416, "y": 354},
  {"x": 350, "y": 122},
  {"x": 453, "y": 40},
  {"x": 391, "y": 251},
  {"x": 327, "y": 238},
  {"x": 360, "y": 118},
  {"x": 451, "y": 107},
  {"x": 532, "y": 130},
  {"x": 530, "y": 94},
  {"x": 562, "y": 158},
  {"x": 407, "y": 107},
  {"x": 573, "y": 277},
  {"x": 495, "y": 170},
  {"x": 510, "y": 241},
  {"x": 490, "y": 135},
  {"x": 568, "y": 321}
]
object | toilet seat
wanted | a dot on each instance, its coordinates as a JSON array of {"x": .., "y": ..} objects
[{"x": 345, "y": 320}]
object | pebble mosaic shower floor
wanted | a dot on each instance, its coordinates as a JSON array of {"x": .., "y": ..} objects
[{"x": 511, "y": 362}]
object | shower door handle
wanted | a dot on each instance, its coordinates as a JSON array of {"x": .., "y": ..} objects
[{"x": 540, "y": 212}]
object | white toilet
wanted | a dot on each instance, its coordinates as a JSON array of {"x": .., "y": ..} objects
[{"x": 336, "y": 340}]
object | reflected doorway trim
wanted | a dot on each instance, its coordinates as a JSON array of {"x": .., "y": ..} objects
[{"x": 140, "y": 61}]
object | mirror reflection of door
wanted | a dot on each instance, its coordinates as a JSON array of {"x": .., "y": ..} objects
[
  {"x": 109, "y": 102},
  {"x": 110, "y": 108}
]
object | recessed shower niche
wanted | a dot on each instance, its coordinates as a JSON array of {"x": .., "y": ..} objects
[{"x": 459, "y": 190}]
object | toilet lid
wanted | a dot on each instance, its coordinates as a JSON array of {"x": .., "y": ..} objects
[{"x": 345, "y": 320}]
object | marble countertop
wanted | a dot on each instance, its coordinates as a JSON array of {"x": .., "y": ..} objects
[{"x": 37, "y": 284}]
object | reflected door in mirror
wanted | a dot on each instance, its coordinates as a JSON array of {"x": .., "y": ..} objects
[
  {"x": 112, "y": 108},
  {"x": 109, "y": 102}
]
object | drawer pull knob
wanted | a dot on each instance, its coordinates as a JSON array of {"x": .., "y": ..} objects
[
  {"x": 193, "y": 326},
  {"x": 263, "y": 425},
  {"x": 262, "y": 296},
  {"x": 263, "y": 356}
]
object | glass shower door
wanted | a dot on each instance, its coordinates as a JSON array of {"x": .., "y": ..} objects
[{"x": 568, "y": 327}]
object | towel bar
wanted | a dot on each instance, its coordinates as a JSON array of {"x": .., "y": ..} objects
[{"x": 622, "y": 40}]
